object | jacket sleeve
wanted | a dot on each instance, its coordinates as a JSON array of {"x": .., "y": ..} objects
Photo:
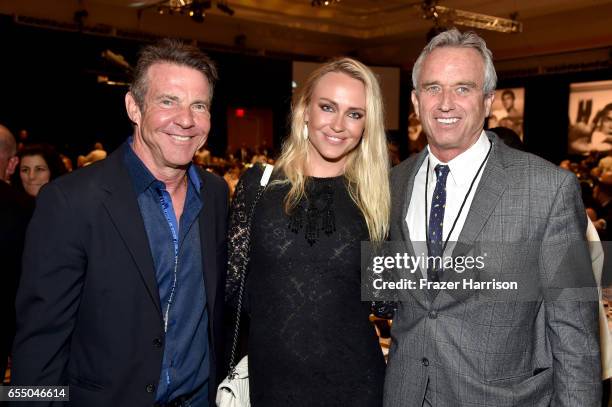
[
  {"x": 49, "y": 292},
  {"x": 571, "y": 302}
]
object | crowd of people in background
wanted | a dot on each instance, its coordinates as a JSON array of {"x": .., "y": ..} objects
[
  {"x": 39, "y": 163},
  {"x": 595, "y": 175}
]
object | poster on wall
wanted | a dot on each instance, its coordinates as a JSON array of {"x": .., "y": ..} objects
[
  {"x": 590, "y": 117},
  {"x": 507, "y": 110}
]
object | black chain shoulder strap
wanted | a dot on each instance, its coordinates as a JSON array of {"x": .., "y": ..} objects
[{"x": 240, "y": 243}]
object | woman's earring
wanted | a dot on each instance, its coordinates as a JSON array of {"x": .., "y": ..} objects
[{"x": 305, "y": 131}]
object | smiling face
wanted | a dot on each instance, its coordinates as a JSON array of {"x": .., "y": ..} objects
[
  {"x": 449, "y": 100},
  {"x": 34, "y": 173},
  {"x": 336, "y": 118},
  {"x": 174, "y": 120}
]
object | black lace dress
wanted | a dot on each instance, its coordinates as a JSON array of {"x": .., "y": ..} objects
[{"x": 310, "y": 342}]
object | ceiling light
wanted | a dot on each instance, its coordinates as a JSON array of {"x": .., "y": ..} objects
[
  {"x": 447, "y": 17},
  {"x": 477, "y": 20},
  {"x": 196, "y": 11},
  {"x": 323, "y": 3},
  {"x": 193, "y": 8}
]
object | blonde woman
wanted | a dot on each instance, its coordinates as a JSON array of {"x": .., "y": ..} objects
[{"x": 310, "y": 342}]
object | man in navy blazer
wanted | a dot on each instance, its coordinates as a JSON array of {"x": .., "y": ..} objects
[{"x": 124, "y": 265}]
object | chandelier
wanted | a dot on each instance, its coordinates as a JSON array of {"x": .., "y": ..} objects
[
  {"x": 196, "y": 9},
  {"x": 444, "y": 16}
]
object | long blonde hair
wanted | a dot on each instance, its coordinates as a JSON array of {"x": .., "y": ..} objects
[{"x": 367, "y": 166}]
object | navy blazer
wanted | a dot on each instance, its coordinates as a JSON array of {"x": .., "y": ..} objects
[{"x": 88, "y": 306}]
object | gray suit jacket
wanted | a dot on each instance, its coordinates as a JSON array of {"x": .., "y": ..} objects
[{"x": 463, "y": 348}]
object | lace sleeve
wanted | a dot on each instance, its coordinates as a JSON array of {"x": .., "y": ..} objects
[
  {"x": 383, "y": 305},
  {"x": 237, "y": 250},
  {"x": 238, "y": 235}
]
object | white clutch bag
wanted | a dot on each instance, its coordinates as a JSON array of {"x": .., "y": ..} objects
[{"x": 234, "y": 392}]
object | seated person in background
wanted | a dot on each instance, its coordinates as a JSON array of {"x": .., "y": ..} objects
[
  {"x": 202, "y": 157},
  {"x": 38, "y": 164},
  {"x": 586, "y": 189},
  {"x": 67, "y": 162},
  {"x": 394, "y": 153},
  {"x": 97, "y": 154},
  {"x": 604, "y": 165},
  {"x": 509, "y": 137},
  {"x": 244, "y": 154},
  {"x": 24, "y": 139},
  {"x": 565, "y": 164},
  {"x": 259, "y": 156},
  {"x": 231, "y": 177}
]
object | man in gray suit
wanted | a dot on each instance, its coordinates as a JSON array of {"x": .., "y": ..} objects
[{"x": 535, "y": 345}]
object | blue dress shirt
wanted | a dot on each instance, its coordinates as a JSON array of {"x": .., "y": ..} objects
[{"x": 176, "y": 251}]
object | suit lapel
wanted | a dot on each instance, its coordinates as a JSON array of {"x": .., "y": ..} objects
[
  {"x": 122, "y": 206},
  {"x": 207, "y": 242},
  {"x": 403, "y": 199},
  {"x": 488, "y": 193}
]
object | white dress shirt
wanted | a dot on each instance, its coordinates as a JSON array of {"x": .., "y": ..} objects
[{"x": 463, "y": 168}]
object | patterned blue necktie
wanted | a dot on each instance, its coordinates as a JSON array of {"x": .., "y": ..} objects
[{"x": 436, "y": 220}]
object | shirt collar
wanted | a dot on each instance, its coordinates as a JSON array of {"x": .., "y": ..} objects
[
  {"x": 465, "y": 165},
  {"x": 194, "y": 177},
  {"x": 142, "y": 178}
]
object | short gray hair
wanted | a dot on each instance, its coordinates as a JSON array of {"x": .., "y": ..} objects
[
  {"x": 8, "y": 146},
  {"x": 454, "y": 38}
]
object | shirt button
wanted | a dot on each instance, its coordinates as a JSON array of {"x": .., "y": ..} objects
[
  {"x": 433, "y": 315},
  {"x": 150, "y": 388},
  {"x": 425, "y": 362},
  {"x": 157, "y": 343}
]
